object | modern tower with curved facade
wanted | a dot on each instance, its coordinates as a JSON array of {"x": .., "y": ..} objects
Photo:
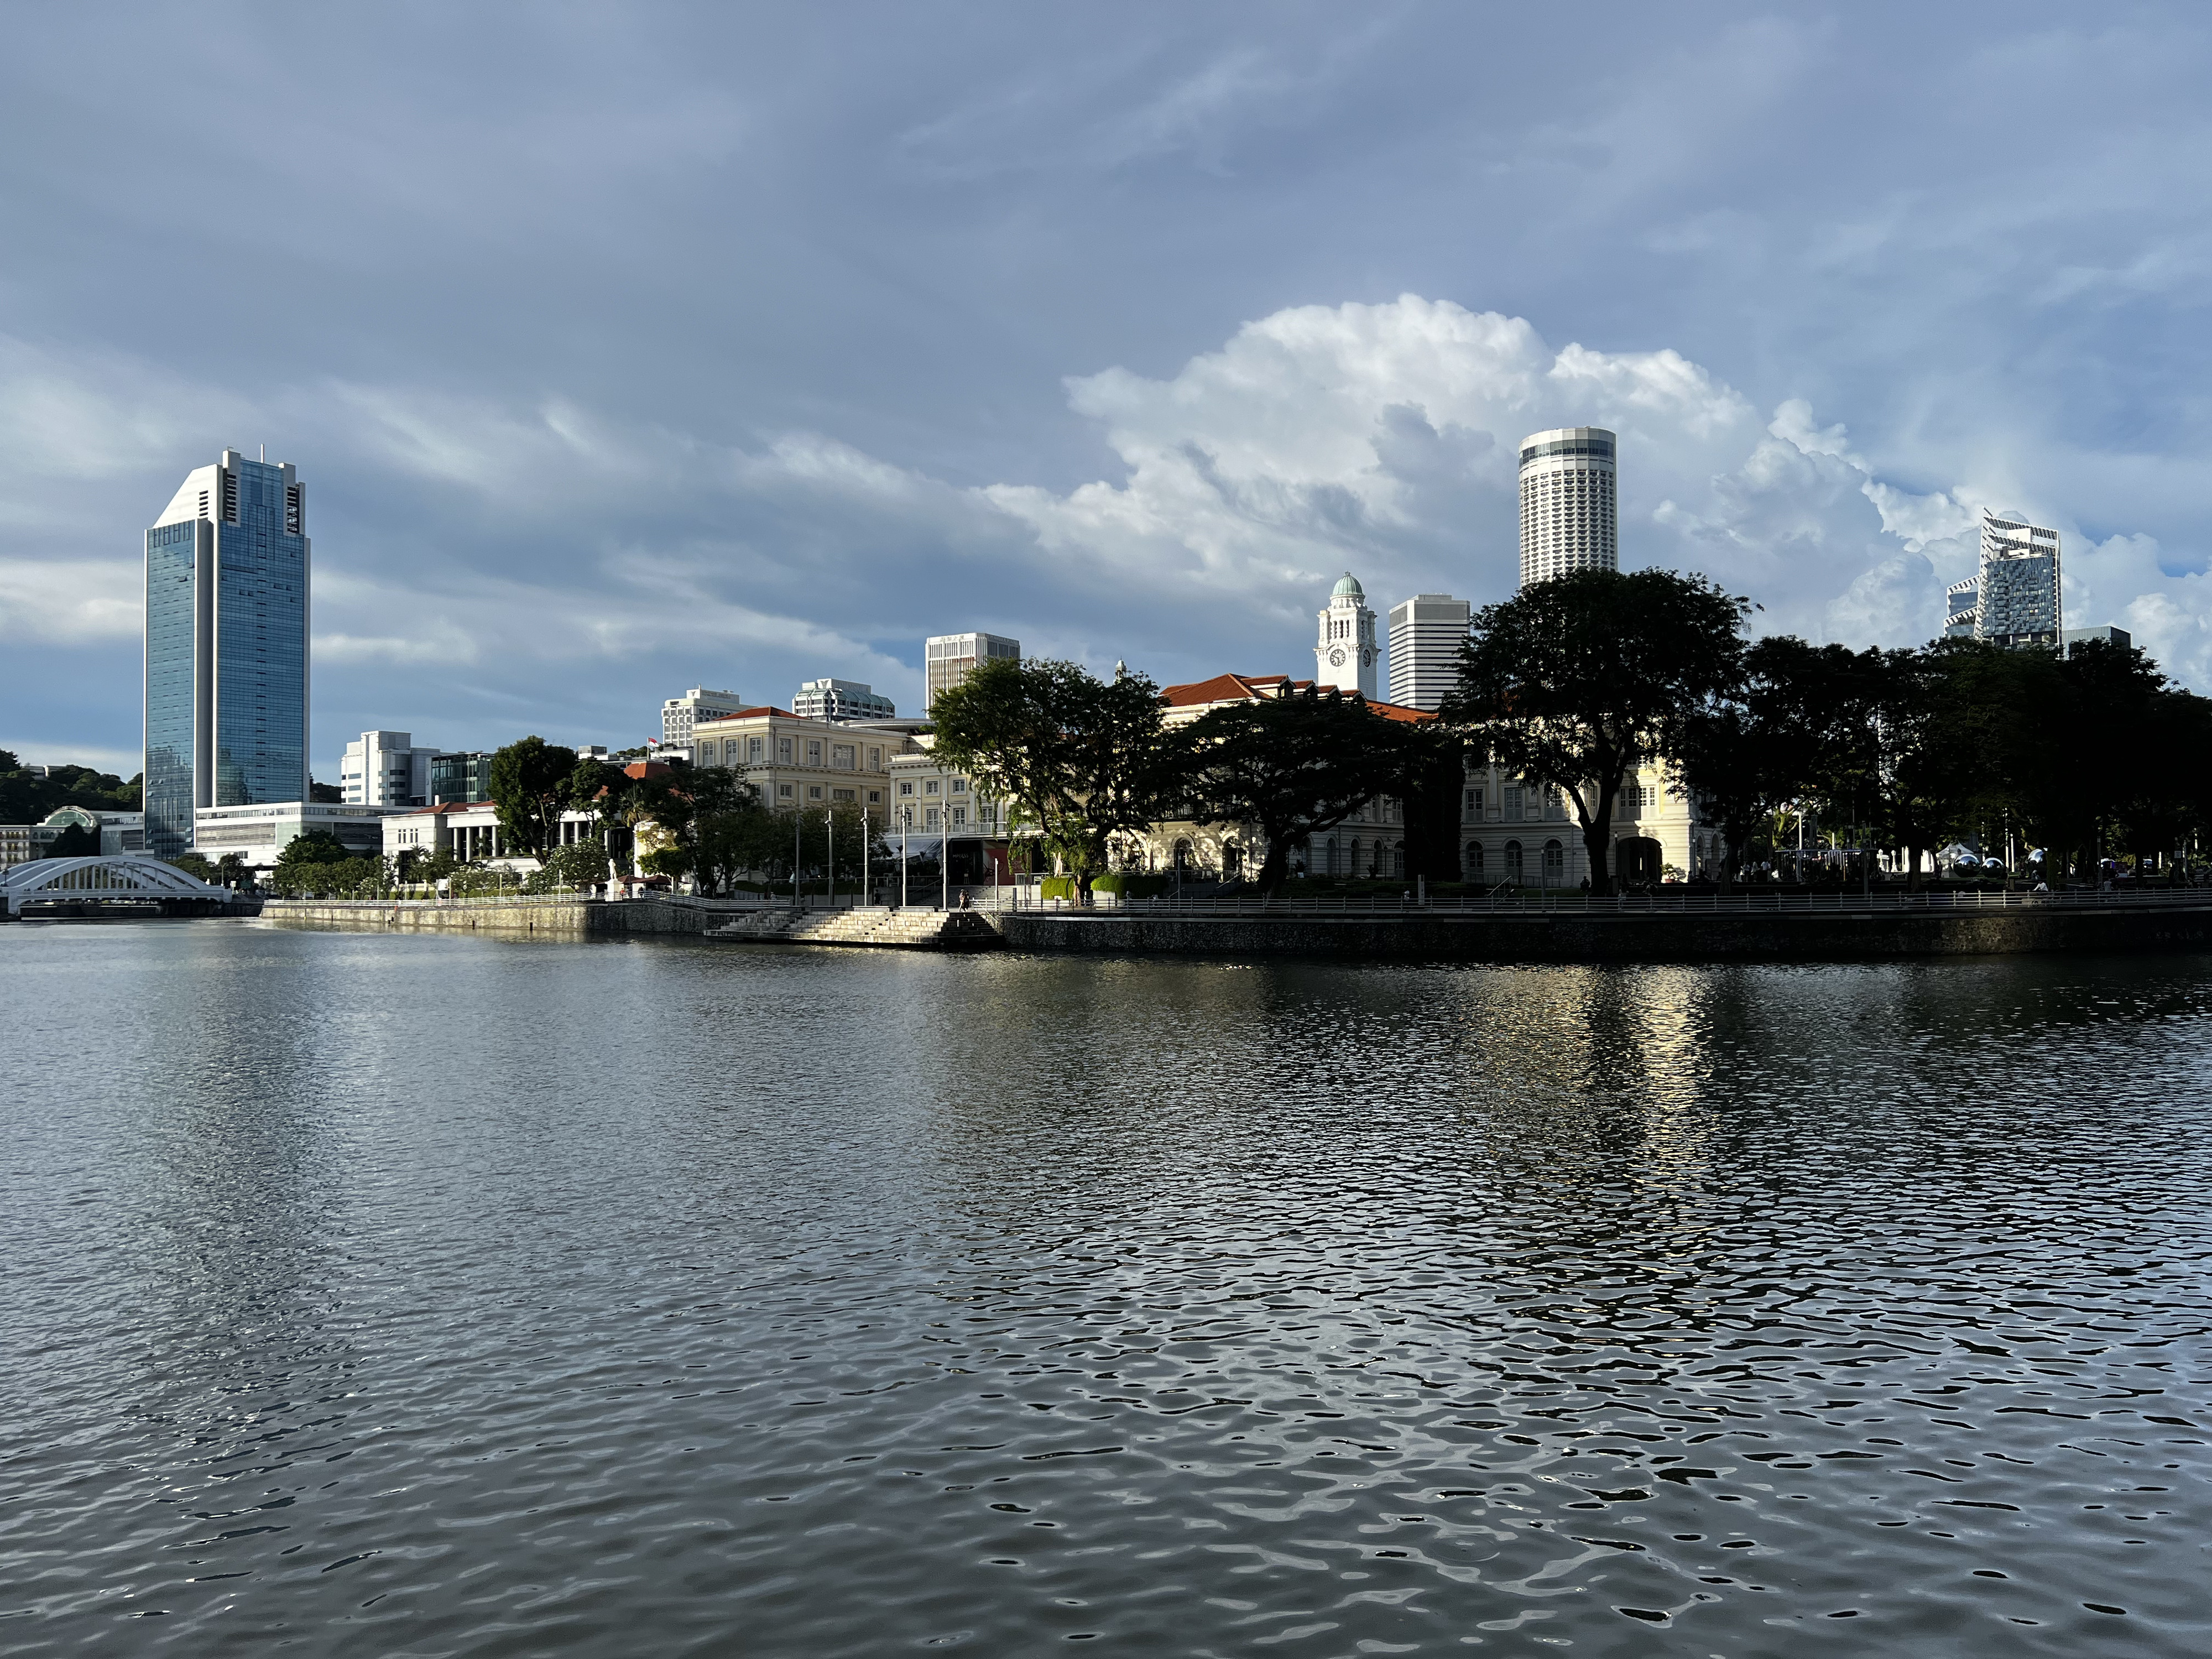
[
  {"x": 225, "y": 646},
  {"x": 1569, "y": 507}
]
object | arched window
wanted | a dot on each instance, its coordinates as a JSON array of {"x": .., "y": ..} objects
[
  {"x": 1474, "y": 863},
  {"x": 1353, "y": 868},
  {"x": 1513, "y": 862},
  {"x": 1232, "y": 861},
  {"x": 1555, "y": 865},
  {"x": 1182, "y": 855},
  {"x": 1398, "y": 859}
]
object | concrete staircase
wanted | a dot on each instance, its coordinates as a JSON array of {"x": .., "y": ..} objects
[{"x": 907, "y": 930}]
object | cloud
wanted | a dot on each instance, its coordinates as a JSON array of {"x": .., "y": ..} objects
[
  {"x": 70, "y": 601},
  {"x": 483, "y": 560}
]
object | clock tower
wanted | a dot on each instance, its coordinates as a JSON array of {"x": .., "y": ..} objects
[{"x": 1347, "y": 651}]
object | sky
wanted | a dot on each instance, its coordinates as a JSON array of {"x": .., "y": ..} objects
[{"x": 625, "y": 349}]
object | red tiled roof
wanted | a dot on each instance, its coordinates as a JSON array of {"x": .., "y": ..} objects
[
  {"x": 747, "y": 714},
  {"x": 1251, "y": 688},
  {"x": 1227, "y": 687}
]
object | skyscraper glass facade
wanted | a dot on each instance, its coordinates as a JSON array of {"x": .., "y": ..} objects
[{"x": 226, "y": 573}]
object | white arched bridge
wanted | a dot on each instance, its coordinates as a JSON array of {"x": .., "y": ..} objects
[{"x": 128, "y": 885}]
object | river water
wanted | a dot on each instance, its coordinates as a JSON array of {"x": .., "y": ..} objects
[{"x": 412, "y": 1295}]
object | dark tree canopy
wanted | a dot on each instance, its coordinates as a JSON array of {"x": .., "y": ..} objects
[
  {"x": 1079, "y": 758},
  {"x": 529, "y": 785},
  {"x": 1575, "y": 682},
  {"x": 1291, "y": 767}
]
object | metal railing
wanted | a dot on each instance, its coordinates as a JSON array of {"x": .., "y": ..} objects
[{"x": 1740, "y": 902}]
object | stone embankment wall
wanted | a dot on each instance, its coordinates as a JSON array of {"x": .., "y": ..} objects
[
  {"x": 1848, "y": 936},
  {"x": 539, "y": 918}
]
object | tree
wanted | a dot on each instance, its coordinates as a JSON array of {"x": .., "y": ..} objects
[
  {"x": 529, "y": 785},
  {"x": 325, "y": 794},
  {"x": 1079, "y": 758},
  {"x": 194, "y": 864},
  {"x": 314, "y": 847},
  {"x": 1292, "y": 767},
  {"x": 1575, "y": 681},
  {"x": 231, "y": 870}
]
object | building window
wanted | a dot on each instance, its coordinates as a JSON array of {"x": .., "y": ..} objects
[
  {"x": 930, "y": 787},
  {"x": 959, "y": 786},
  {"x": 786, "y": 791},
  {"x": 1513, "y": 862},
  {"x": 841, "y": 794},
  {"x": 755, "y": 749},
  {"x": 875, "y": 758},
  {"x": 1555, "y": 865},
  {"x": 1473, "y": 862},
  {"x": 960, "y": 815},
  {"x": 814, "y": 792},
  {"x": 875, "y": 797},
  {"x": 929, "y": 819},
  {"x": 814, "y": 752},
  {"x": 784, "y": 747},
  {"x": 1514, "y": 797},
  {"x": 906, "y": 789},
  {"x": 843, "y": 757}
]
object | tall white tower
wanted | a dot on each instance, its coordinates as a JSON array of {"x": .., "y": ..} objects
[
  {"x": 1425, "y": 634},
  {"x": 1569, "y": 506},
  {"x": 1345, "y": 653}
]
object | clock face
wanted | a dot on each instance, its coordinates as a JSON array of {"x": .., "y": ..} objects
[{"x": 1336, "y": 656}]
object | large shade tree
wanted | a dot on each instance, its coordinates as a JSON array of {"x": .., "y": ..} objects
[
  {"x": 1576, "y": 681},
  {"x": 1079, "y": 758},
  {"x": 1291, "y": 767},
  {"x": 529, "y": 786}
]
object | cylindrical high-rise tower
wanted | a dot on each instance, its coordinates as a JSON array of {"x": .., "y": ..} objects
[{"x": 1569, "y": 509}]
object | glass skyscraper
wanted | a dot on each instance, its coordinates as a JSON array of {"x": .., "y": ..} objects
[
  {"x": 2014, "y": 598},
  {"x": 227, "y": 567}
]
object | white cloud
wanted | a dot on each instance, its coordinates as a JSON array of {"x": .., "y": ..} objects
[{"x": 70, "y": 601}]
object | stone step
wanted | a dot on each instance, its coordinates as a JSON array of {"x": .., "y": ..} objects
[{"x": 912, "y": 930}]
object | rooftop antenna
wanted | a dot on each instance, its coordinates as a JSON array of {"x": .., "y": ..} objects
[{"x": 265, "y": 454}]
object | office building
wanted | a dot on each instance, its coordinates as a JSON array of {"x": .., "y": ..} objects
[
  {"x": 679, "y": 715},
  {"x": 259, "y": 833},
  {"x": 386, "y": 768},
  {"x": 2013, "y": 598},
  {"x": 949, "y": 659},
  {"x": 1570, "y": 510},
  {"x": 842, "y": 700},
  {"x": 1426, "y": 633},
  {"x": 461, "y": 779},
  {"x": 2119, "y": 638},
  {"x": 226, "y": 665},
  {"x": 1345, "y": 649}
]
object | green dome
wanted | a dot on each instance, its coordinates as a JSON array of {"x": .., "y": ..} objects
[{"x": 1349, "y": 588}]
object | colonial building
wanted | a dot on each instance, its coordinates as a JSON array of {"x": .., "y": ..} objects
[
  {"x": 934, "y": 807},
  {"x": 794, "y": 761},
  {"x": 1368, "y": 844}
]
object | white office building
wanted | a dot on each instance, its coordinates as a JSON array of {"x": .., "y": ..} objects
[
  {"x": 1570, "y": 506},
  {"x": 1426, "y": 633},
  {"x": 386, "y": 768},
  {"x": 949, "y": 659},
  {"x": 679, "y": 715},
  {"x": 1346, "y": 650},
  {"x": 260, "y": 832},
  {"x": 842, "y": 700},
  {"x": 2014, "y": 598}
]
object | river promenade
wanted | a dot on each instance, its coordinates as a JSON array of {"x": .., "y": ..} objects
[{"x": 1745, "y": 927}]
